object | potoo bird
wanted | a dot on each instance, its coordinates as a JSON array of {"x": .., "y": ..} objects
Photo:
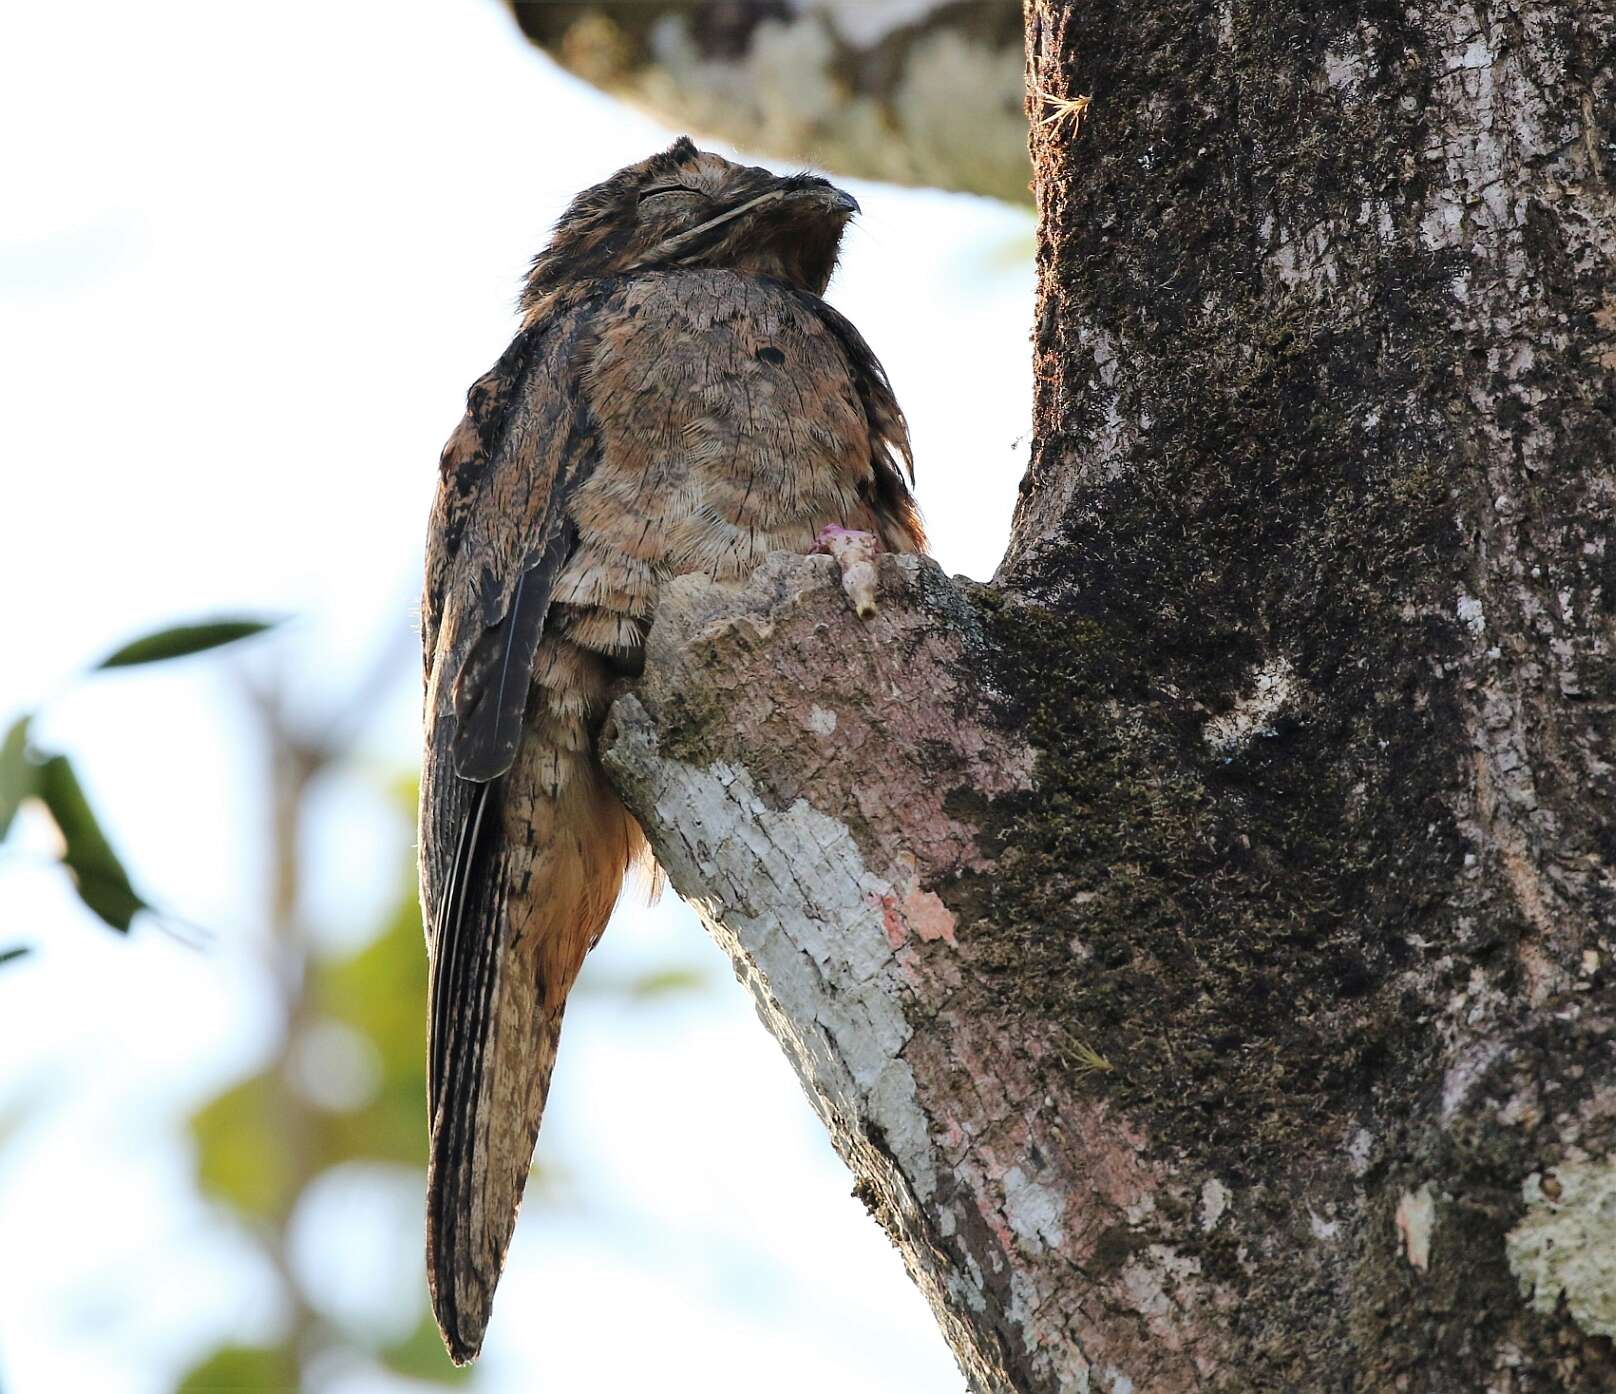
[{"x": 678, "y": 399}]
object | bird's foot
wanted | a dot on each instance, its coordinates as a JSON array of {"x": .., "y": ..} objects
[{"x": 855, "y": 554}]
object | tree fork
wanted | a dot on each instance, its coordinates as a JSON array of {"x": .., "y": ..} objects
[{"x": 1199, "y": 942}]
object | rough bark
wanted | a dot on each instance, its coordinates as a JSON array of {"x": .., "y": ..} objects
[
  {"x": 1199, "y": 942},
  {"x": 910, "y": 91}
]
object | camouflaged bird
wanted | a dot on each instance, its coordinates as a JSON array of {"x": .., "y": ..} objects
[{"x": 678, "y": 399}]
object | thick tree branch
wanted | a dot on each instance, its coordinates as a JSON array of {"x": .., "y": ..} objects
[
  {"x": 809, "y": 781},
  {"x": 911, "y": 91}
]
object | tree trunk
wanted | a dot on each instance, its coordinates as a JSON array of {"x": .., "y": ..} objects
[
  {"x": 1199, "y": 942},
  {"x": 911, "y": 91}
]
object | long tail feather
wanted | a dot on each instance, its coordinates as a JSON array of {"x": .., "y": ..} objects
[
  {"x": 533, "y": 880},
  {"x": 465, "y": 980},
  {"x": 448, "y": 966}
]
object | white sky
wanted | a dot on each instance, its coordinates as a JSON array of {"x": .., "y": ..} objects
[{"x": 250, "y": 258}]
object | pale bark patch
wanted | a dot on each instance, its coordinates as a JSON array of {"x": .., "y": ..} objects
[{"x": 1416, "y": 1218}]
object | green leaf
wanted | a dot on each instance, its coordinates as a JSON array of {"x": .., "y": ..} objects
[
  {"x": 242, "y": 1157},
  {"x": 183, "y": 640},
  {"x": 19, "y": 778},
  {"x": 380, "y": 991},
  {"x": 103, "y": 885},
  {"x": 666, "y": 982},
  {"x": 244, "y": 1370},
  {"x": 420, "y": 1355},
  {"x": 15, "y": 952}
]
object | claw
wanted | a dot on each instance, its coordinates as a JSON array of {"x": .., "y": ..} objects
[{"x": 855, "y": 554}]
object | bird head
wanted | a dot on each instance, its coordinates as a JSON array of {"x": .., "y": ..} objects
[{"x": 687, "y": 207}]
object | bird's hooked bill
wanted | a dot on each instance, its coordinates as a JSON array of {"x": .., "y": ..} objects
[{"x": 839, "y": 200}]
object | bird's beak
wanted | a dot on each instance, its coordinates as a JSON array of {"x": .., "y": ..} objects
[
  {"x": 808, "y": 188},
  {"x": 820, "y": 192}
]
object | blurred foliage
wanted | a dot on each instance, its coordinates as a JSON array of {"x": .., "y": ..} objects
[
  {"x": 664, "y": 982},
  {"x": 16, "y": 775},
  {"x": 27, "y": 772},
  {"x": 419, "y": 1356},
  {"x": 346, "y": 1082},
  {"x": 236, "y": 1368},
  {"x": 264, "y": 1142},
  {"x": 102, "y": 883}
]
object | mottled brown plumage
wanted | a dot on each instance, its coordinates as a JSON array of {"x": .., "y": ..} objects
[{"x": 679, "y": 399}]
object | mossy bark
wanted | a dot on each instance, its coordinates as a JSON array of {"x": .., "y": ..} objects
[
  {"x": 1325, "y": 410},
  {"x": 1200, "y": 941}
]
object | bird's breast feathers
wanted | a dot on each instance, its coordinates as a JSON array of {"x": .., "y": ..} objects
[{"x": 730, "y": 425}]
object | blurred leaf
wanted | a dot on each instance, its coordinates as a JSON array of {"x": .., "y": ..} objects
[
  {"x": 183, "y": 640},
  {"x": 19, "y": 778},
  {"x": 380, "y": 992},
  {"x": 420, "y": 1355},
  {"x": 15, "y": 952},
  {"x": 665, "y": 982},
  {"x": 244, "y": 1370},
  {"x": 241, "y": 1148},
  {"x": 103, "y": 884}
]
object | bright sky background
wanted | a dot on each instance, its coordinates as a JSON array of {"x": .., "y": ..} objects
[{"x": 250, "y": 258}]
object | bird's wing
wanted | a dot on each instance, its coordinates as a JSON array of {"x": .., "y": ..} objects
[
  {"x": 891, "y": 457},
  {"x": 499, "y": 534},
  {"x": 498, "y": 537}
]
